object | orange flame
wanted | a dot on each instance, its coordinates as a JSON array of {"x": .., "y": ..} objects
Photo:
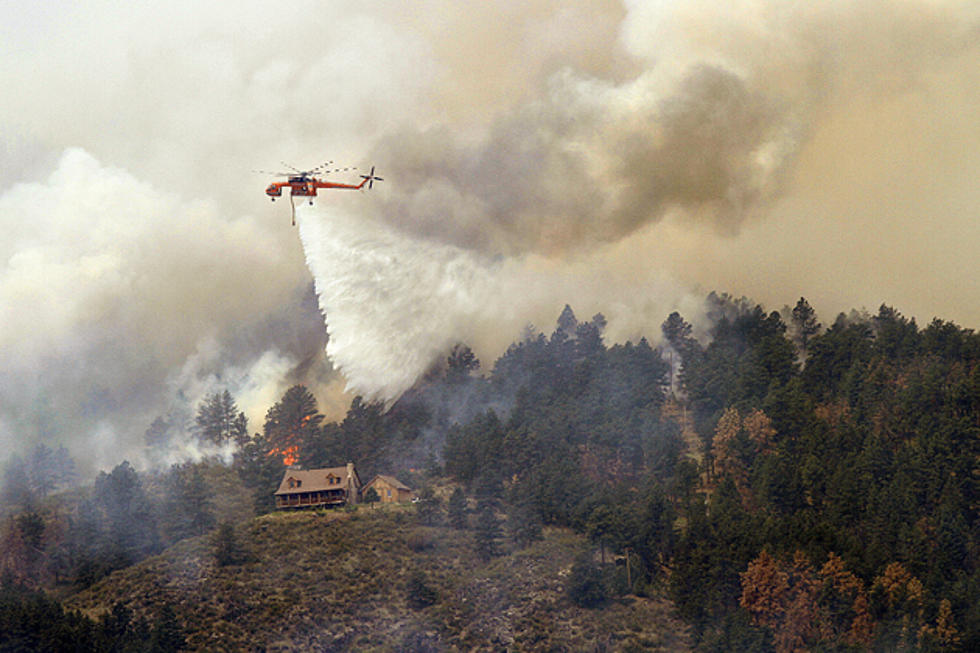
[{"x": 290, "y": 455}]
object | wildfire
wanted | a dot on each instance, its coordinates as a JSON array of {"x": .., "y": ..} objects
[
  {"x": 290, "y": 455},
  {"x": 294, "y": 433}
]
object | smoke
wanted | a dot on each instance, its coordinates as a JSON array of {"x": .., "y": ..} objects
[
  {"x": 110, "y": 287},
  {"x": 591, "y": 162},
  {"x": 395, "y": 304},
  {"x": 623, "y": 157},
  {"x": 609, "y": 174},
  {"x": 708, "y": 129}
]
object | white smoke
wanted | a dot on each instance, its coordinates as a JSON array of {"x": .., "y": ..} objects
[
  {"x": 623, "y": 157},
  {"x": 255, "y": 384},
  {"x": 108, "y": 286}
]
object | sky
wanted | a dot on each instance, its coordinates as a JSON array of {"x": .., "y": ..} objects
[{"x": 621, "y": 157}]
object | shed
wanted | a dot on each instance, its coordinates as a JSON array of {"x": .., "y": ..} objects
[{"x": 389, "y": 488}]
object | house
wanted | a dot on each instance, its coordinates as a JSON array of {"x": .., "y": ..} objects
[
  {"x": 389, "y": 488},
  {"x": 330, "y": 486}
]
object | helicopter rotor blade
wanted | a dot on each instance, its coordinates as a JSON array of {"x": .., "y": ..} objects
[{"x": 370, "y": 178}]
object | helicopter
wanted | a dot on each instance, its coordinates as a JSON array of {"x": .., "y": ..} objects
[{"x": 304, "y": 183}]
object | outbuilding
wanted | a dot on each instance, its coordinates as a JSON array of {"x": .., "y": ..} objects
[{"x": 389, "y": 489}]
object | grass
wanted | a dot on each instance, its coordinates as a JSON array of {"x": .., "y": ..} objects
[{"x": 336, "y": 580}]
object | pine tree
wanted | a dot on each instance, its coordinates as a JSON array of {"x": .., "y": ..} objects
[
  {"x": 291, "y": 422},
  {"x": 167, "y": 635},
  {"x": 260, "y": 466},
  {"x": 218, "y": 419},
  {"x": 372, "y": 496},
  {"x": 487, "y": 532},
  {"x": 460, "y": 364},
  {"x": 428, "y": 506},
  {"x": 132, "y": 528},
  {"x": 457, "y": 509},
  {"x": 524, "y": 524},
  {"x": 806, "y": 325},
  {"x": 225, "y": 546},
  {"x": 189, "y": 502}
]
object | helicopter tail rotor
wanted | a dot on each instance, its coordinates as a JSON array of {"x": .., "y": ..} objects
[{"x": 371, "y": 178}]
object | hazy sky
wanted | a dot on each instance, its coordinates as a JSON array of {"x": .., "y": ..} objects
[{"x": 623, "y": 157}]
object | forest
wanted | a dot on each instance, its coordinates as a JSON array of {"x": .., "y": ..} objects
[{"x": 788, "y": 485}]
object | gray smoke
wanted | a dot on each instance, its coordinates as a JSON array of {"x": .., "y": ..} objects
[{"x": 624, "y": 157}]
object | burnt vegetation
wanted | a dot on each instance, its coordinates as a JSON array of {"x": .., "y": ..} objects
[{"x": 789, "y": 486}]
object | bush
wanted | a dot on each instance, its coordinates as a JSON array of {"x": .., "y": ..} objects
[
  {"x": 584, "y": 586},
  {"x": 419, "y": 593}
]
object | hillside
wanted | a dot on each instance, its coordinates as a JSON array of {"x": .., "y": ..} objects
[
  {"x": 796, "y": 471},
  {"x": 338, "y": 581}
]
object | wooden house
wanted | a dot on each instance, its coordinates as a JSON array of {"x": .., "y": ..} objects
[
  {"x": 389, "y": 488},
  {"x": 330, "y": 486}
]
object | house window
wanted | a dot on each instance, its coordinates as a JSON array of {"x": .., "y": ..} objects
[{"x": 299, "y": 483}]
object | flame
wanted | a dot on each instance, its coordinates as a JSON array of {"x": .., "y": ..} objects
[{"x": 290, "y": 455}]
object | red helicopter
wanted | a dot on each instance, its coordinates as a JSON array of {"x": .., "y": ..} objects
[{"x": 304, "y": 183}]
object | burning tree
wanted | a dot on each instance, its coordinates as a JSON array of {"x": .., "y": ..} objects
[{"x": 291, "y": 422}]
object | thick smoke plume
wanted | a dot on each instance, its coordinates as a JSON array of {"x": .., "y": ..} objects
[
  {"x": 702, "y": 129},
  {"x": 707, "y": 126},
  {"x": 591, "y": 162},
  {"x": 624, "y": 157}
]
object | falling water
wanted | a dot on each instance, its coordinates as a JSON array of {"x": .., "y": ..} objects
[{"x": 393, "y": 304}]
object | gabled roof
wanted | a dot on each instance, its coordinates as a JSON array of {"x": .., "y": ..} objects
[
  {"x": 390, "y": 480},
  {"x": 313, "y": 480}
]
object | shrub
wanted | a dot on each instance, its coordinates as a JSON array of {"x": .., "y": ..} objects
[
  {"x": 584, "y": 586},
  {"x": 419, "y": 593}
]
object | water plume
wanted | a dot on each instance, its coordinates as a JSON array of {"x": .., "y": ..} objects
[{"x": 393, "y": 304}]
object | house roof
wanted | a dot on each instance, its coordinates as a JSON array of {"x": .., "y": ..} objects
[
  {"x": 313, "y": 480},
  {"x": 390, "y": 480}
]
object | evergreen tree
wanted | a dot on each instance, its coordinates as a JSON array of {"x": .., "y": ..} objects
[
  {"x": 17, "y": 484},
  {"x": 457, "y": 509},
  {"x": 132, "y": 528},
  {"x": 524, "y": 524},
  {"x": 167, "y": 636},
  {"x": 260, "y": 466},
  {"x": 226, "y": 547},
  {"x": 679, "y": 335},
  {"x": 567, "y": 323},
  {"x": 487, "y": 533},
  {"x": 218, "y": 419},
  {"x": 41, "y": 470},
  {"x": 371, "y": 496},
  {"x": 189, "y": 501},
  {"x": 460, "y": 364},
  {"x": 428, "y": 507},
  {"x": 805, "y": 325},
  {"x": 292, "y": 421},
  {"x": 362, "y": 433},
  {"x": 158, "y": 434}
]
